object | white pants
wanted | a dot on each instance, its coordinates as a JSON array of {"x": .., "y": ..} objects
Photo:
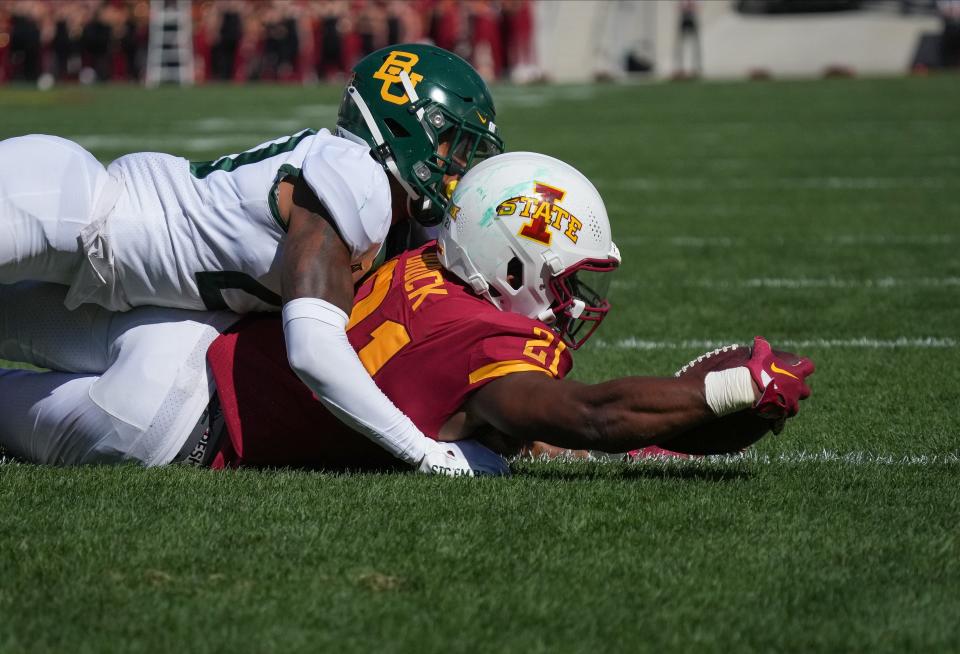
[
  {"x": 50, "y": 189},
  {"x": 123, "y": 386}
]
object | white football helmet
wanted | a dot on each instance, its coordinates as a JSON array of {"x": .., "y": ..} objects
[{"x": 530, "y": 233}]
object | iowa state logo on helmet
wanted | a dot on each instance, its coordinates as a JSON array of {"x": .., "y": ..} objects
[
  {"x": 389, "y": 73},
  {"x": 544, "y": 213}
]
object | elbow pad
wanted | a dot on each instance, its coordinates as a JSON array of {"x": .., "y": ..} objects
[{"x": 321, "y": 355}]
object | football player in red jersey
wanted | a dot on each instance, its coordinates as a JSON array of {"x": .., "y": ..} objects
[{"x": 471, "y": 338}]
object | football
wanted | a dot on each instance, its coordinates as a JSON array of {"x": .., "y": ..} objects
[{"x": 729, "y": 434}]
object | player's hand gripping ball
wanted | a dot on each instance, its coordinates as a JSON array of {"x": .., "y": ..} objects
[{"x": 780, "y": 383}]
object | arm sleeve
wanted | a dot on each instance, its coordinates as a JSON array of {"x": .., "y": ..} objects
[{"x": 321, "y": 356}]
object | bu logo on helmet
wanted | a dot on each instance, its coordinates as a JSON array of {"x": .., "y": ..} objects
[{"x": 389, "y": 73}]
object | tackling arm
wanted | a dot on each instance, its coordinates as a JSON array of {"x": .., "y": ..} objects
[
  {"x": 318, "y": 294},
  {"x": 316, "y": 261},
  {"x": 613, "y": 416}
]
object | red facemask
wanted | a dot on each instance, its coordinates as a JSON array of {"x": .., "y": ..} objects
[{"x": 581, "y": 304}]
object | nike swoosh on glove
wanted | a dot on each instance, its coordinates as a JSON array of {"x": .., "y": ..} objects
[
  {"x": 781, "y": 380},
  {"x": 466, "y": 458}
]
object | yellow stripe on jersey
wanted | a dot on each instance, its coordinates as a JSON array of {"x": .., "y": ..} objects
[
  {"x": 369, "y": 304},
  {"x": 387, "y": 339},
  {"x": 501, "y": 368}
]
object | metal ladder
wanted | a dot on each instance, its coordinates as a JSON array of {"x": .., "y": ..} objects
[{"x": 170, "y": 45}]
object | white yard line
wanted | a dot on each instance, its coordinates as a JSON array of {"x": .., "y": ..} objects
[
  {"x": 854, "y": 458},
  {"x": 796, "y": 283},
  {"x": 892, "y": 239},
  {"x": 863, "y": 342},
  {"x": 781, "y": 183},
  {"x": 215, "y": 133},
  {"x": 171, "y": 143},
  {"x": 833, "y": 282},
  {"x": 274, "y": 127},
  {"x": 823, "y": 456},
  {"x": 838, "y": 239},
  {"x": 788, "y": 458},
  {"x": 302, "y": 117},
  {"x": 540, "y": 96}
]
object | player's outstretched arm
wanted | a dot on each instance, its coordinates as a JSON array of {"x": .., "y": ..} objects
[
  {"x": 634, "y": 412},
  {"x": 317, "y": 289},
  {"x": 613, "y": 416}
]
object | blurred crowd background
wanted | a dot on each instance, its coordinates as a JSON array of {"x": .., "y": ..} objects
[
  {"x": 243, "y": 40},
  {"x": 49, "y": 42}
]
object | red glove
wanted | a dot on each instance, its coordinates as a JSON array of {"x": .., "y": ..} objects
[{"x": 781, "y": 379}]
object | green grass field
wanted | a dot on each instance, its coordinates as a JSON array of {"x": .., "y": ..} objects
[{"x": 823, "y": 215}]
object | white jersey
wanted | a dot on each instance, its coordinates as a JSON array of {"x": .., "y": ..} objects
[{"x": 208, "y": 235}]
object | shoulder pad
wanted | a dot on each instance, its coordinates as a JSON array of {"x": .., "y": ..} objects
[{"x": 354, "y": 189}]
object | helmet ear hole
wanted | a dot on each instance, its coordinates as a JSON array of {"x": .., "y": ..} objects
[
  {"x": 515, "y": 273},
  {"x": 398, "y": 130}
]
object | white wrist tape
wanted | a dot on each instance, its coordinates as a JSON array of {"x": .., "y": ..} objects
[
  {"x": 321, "y": 355},
  {"x": 728, "y": 391}
]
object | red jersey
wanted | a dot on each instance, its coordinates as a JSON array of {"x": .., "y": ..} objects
[{"x": 427, "y": 341}]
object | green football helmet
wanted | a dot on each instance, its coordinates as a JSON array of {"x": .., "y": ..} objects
[{"x": 425, "y": 113}]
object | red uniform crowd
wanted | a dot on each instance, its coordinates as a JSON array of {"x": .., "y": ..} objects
[{"x": 242, "y": 40}]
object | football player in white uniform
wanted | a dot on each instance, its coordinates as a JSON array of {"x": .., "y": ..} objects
[
  {"x": 526, "y": 252},
  {"x": 288, "y": 226}
]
